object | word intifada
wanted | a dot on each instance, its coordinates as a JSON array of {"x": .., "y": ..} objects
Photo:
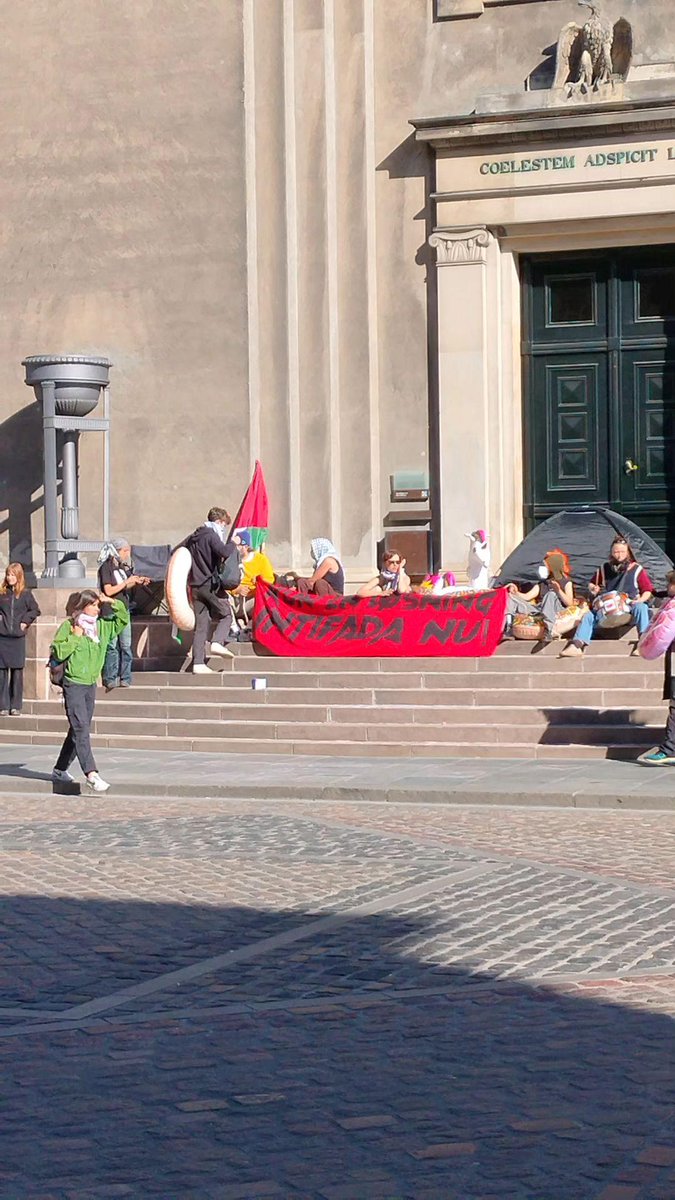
[{"x": 288, "y": 623}]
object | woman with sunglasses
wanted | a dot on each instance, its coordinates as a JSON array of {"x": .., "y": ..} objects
[
  {"x": 81, "y": 643},
  {"x": 392, "y": 579}
]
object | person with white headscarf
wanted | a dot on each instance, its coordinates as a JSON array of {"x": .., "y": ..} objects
[
  {"x": 116, "y": 579},
  {"x": 328, "y": 577}
]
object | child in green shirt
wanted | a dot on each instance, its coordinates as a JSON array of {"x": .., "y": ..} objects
[{"x": 81, "y": 643}]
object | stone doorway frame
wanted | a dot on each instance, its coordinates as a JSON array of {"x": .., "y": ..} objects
[
  {"x": 480, "y": 442},
  {"x": 478, "y": 238}
]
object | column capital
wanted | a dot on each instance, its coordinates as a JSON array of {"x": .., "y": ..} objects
[{"x": 462, "y": 245}]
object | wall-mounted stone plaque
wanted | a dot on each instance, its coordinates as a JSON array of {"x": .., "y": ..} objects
[{"x": 449, "y": 10}]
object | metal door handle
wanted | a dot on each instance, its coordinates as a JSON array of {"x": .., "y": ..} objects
[{"x": 629, "y": 466}]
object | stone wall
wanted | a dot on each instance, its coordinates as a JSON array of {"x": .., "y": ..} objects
[{"x": 225, "y": 198}]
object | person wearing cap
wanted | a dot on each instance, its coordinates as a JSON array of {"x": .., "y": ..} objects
[
  {"x": 254, "y": 566},
  {"x": 117, "y": 580}
]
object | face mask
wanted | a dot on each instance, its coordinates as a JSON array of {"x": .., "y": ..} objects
[{"x": 543, "y": 571}]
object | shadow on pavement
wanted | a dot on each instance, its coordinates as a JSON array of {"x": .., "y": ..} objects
[
  {"x": 337, "y": 1081},
  {"x": 23, "y": 771}
]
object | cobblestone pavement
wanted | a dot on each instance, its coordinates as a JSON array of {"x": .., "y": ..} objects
[{"x": 220, "y": 1000}]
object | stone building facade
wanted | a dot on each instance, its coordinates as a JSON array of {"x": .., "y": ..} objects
[{"x": 311, "y": 232}]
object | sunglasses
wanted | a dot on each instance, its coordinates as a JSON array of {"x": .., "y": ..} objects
[{"x": 394, "y": 562}]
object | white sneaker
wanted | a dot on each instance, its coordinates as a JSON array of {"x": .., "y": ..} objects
[
  {"x": 220, "y": 651},
  {"x": 202, "y": 669},
  {"x": 62, "y": 776},
  {"x": 95, "y": 782}
]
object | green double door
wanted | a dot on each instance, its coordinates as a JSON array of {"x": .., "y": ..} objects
[{"x": 599, "y": 373}]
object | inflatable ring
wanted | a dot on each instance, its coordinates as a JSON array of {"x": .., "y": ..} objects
[
  {"x": 180, "y": 610},
  {"x": 661, "y": 633}
]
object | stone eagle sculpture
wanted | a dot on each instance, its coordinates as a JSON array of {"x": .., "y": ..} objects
[{"x": 591, "y": 55}]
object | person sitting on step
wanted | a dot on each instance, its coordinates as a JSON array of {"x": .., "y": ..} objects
[
  {"x": 546, "y": 599},
  {"x": 392, "y": 579},
  {"x": 255, "y": 565},
  {"x": 328, "y": 577},
  {"x": 621, "y": 574}
]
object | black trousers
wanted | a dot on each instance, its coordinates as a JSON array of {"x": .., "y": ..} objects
[
  {"x": 79, "y": 699},
  {"x": 208, "y": 605},
  {"x": 668, "y": 739},
  {"x": 11, "y": 687}
]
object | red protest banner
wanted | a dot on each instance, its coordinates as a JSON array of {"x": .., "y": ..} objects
[{"x": 411, "y": 626}]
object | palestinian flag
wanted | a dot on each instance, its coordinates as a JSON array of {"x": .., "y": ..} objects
[{"x": 253, "y": 512}]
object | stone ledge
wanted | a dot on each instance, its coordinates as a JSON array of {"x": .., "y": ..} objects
[{"x": 453, "y": 10}]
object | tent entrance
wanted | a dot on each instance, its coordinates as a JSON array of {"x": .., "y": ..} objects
[{"x": 599, "y": 385}]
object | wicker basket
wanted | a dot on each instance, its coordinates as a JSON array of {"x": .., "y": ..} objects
[
  {"x": 528, "y": 629},
  {"x": 531, "y": 629}
]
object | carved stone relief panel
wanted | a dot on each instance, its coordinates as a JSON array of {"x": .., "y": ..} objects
[{"x": 448, "y": 10}]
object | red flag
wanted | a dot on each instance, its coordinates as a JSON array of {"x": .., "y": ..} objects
[{"x": 253, "y": 512}]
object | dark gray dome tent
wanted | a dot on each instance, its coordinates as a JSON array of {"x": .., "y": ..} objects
[{"x": 585, "y": 534}]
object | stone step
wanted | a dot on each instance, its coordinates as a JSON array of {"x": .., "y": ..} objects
[
  {"x": 591, "y": 663},
  {"x": 384, "y": 685},
  {"x": 487, "y": 749},
  {"x": 559, "y": 731},
  {"x": 616, "y": 643},
  {"x": 36, "y": 712},
  {"x": 517, "y": 704},
  {"x": 600, "y": 697},
  {"x": 601, "y": 693},
  {"x": 633, "y": 673}
]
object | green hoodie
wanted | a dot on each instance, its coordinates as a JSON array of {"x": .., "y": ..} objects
[{"x": 83, "y": 657}]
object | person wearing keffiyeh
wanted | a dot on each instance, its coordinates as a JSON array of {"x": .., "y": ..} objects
[
  {"x": 328, "y": 577},
  {"x": 116, "y": 579}
]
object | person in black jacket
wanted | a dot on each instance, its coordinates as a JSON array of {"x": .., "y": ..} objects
[
  {"x": 209, "y": 549},
  {"x": 18, "y": 610}
]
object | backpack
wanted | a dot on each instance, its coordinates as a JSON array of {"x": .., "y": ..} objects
[
  {"x": 228, "y": 574},
  {"x": 57, "y": 669}
]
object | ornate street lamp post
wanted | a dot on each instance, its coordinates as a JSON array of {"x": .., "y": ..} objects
[{"x": 69, "y": 387}]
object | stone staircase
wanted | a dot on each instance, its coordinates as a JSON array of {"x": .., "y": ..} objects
[{"x": 518, "y": 704}]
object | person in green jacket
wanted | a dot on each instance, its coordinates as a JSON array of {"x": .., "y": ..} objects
[{"x": 81, "y": 643}]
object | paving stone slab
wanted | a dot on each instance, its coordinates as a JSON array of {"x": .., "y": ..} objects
[{"x": 266, "y": 774}]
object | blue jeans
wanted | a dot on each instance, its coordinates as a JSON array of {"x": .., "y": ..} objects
[
  {"x": 118, "y": 658},
  {"x": 586, "y": 627}
]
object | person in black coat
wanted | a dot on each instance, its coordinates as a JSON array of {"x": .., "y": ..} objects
[
  {"x": 209, "y": 548},
  {"x": 18, "y": 610}
]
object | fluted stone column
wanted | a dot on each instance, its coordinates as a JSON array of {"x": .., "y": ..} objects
[
  {"x": 461, "y": 257},
  {"x": 479, "y": 423}
]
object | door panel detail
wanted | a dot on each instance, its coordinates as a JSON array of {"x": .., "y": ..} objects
[{"x": 599, "y": 383}]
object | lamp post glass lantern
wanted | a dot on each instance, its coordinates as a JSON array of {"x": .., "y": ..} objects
[{"x": 69, "y": 388}]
